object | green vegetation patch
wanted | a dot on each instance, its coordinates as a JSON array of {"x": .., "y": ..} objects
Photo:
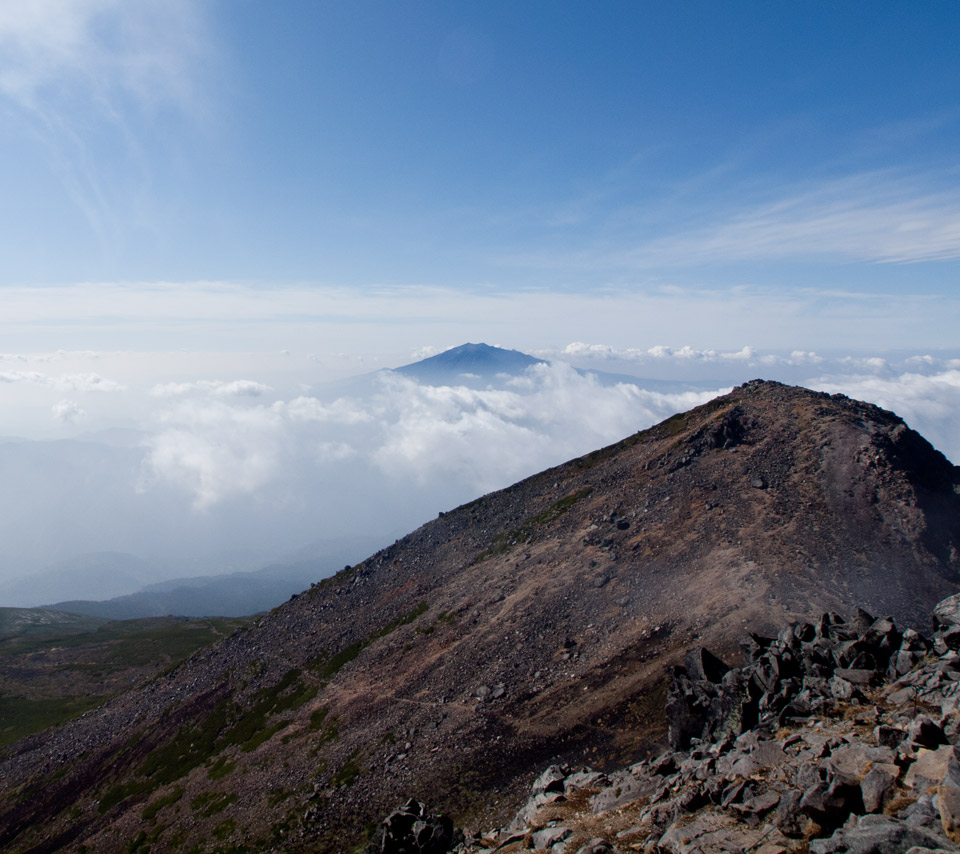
[
  {"x": 224, "y": 829},
  {"x": 43, "y": 696},
  {"x": 132, "y": 644},
  {"x": 327, "y": 725},
  {"x": 139, "y": 843},
  {"x": 43, "y": 623},
  {"x": 150, "y": 811},
  {"x": 348, "y": 772},
  {"x": 263, "y": 735},
  {"x": 136, "y": 642},
  {"x": 207, "y": 804},
  {"x": 191, "y": 746},
  {"x": 20, "y": 717},
  {"x": 247, "y": 726},
  {"x": 327, "y": 666},
  {"x": 275, "y": 797},
  {"x": 225, "y": 725},
  {"x": 115, "y": 794},
  {"x": 317, "y": 717},
  {"x": 281, "y": 830},
  {"x": 525, "y": 531},
  {"x": 289, "y": 693},
  {"x": 221, "y": 768}
]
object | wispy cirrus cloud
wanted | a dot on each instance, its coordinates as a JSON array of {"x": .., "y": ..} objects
[
  {"x": 879, "y": 217},
  {"x": 99, "y": 50},
  {"x": 876, "y": 217},
  {"x": 137, "y": 316},
  {"x": 83, "y": 76}
]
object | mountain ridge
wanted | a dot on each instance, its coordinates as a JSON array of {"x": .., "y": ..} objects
[{"x": 532, "y": 624}]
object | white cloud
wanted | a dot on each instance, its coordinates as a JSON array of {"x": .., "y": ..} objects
[
  {"x": 875, "y": 217},
  {"x": 145, "y": 47},
  {"x": 65, "y": 382},
  {"x": 215, "y": 451},
  {"x": 33, "y": 377},
  {"x": 879, "y": 217},
  {"x": 341, "y": 411},
  {"x": 426, "y": 352},
  {"x": 242, "y": 388},
  {"x": 67, "y": 411},
  {"x": 89, "y": 80},
  {"x": 220, "y": 388},
  {"x": 86, "y": 382},
  {"x": 659, "y": 353},
  {"x": 335, "y": 452},
  {"x": 282, "y": 472},
  {"x": 380, "y": 323},
  {"x": 786, "y": 366},
  {"x": 800, "y": 357},
  {"x": 427, "y": 437}
]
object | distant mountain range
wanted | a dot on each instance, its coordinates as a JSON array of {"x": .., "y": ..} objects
[
  {"x": 234, "y": 594},
  {"x": 532, "y": 625},
  {"x": 95, "y": 575}
]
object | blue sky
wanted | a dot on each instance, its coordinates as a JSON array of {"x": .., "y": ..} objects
[
  {"x": 210, "y": 207},
  {"x": 220, "y": 190},
  {"x": 545, "y": 146}
]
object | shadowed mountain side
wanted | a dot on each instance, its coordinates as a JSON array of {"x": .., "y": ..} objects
[{"x": 532, "y": 624}]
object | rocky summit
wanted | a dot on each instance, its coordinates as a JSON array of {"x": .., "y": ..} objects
[{"x": 536, "y": 626}]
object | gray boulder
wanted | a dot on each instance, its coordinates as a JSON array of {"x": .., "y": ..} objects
[
  {"x": 947, "y": 613},
  {"x": 876, "y": 834}
]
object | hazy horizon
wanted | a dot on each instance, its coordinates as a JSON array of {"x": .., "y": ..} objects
[
  {"x": 216, "y": 214},
  {"x": 197, "y": 477}
]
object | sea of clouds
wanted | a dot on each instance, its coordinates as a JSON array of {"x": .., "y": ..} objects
[{"x": 230, "y": 472}]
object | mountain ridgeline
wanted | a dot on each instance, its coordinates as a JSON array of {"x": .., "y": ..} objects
[{"x": 532, "y": 625}]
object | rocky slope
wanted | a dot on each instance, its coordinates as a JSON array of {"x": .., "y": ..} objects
[
  {"x": 529, "y": 626},
  {"x": 797, "y": 751}
]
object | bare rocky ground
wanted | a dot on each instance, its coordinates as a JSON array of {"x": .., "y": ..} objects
[
  {"x": 845, "y": 759},
  {"x": 535, "y": 625}
]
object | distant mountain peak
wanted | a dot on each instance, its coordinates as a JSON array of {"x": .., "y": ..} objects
[{"x": 479, "y": 360}]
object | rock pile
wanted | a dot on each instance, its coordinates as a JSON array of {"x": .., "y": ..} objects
[
  {"x": 838, "y": 736},
  {"x": 800, "y": 673},
  {"x": 412, "y": 830}
]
